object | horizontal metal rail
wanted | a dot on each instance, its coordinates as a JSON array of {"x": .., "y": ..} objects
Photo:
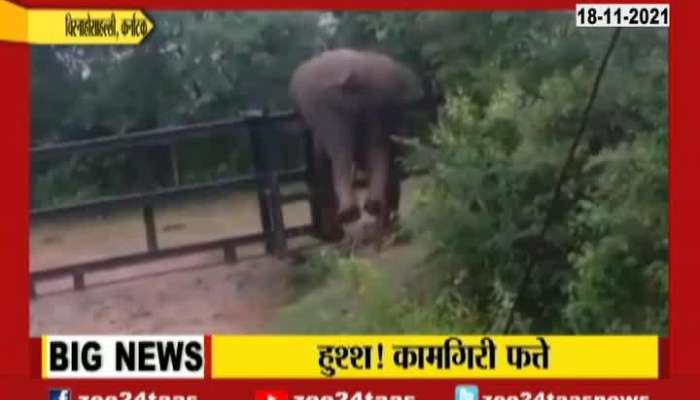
[
  {"x": 139, "y": 199},
  {"x": 294, "y": 197},
  {"x": 166, "y": 135},
  {"x": 78, "y": 270},
  {"x": 289, "y": 120}
]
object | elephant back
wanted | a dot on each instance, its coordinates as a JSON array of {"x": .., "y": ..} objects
[{"x": 352, "y": 82}]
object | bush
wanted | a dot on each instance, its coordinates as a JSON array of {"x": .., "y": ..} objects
[{"x": 603, "y": 264}]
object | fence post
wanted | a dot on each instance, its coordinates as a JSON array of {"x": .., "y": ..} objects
[
  {"x": 149, "y": 222},
  {"x": 259, "y": 167},
  {"x": 279, "y": 239},
  {"x": 173, "y": 164},
  {"x": 230, "y": 253},
  {"x": 78, "y": 280},
  {"x": 269, "y": 198}
]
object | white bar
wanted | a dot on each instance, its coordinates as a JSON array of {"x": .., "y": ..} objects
[
  {"x": 107, "y": 353},
  {"x": 623, "y": 15}
]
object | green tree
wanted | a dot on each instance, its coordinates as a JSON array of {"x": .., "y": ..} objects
[
  {"x": 195, "y": 67},
  {"x": 496, "y": 154}
]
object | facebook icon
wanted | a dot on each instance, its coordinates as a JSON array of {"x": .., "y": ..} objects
[
  {"x": 467, "y": 392},
  {"x": 59, "y": 394}
]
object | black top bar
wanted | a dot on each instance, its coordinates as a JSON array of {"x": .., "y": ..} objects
[
  {"x": 163, "y": 135},
  {"x": 291, "y": 123}
]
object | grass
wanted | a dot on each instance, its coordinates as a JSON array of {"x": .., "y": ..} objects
[{"x": 387, "y": 293}]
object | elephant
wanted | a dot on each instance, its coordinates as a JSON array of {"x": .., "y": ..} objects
[{"x": 352, "y": 100}]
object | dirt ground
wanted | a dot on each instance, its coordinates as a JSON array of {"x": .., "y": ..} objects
[
  {"x": 198, "y": 293},
  {"x": 93, "y": 237},
  {"x": 214, "y": 297}
]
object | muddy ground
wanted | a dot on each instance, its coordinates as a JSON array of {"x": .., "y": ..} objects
[
  {"x": 91, "y": 237},
  {"x": 199, "y": 293},
  {"x": 210, "y": 296}
]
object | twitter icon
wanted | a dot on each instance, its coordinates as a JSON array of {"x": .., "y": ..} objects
[{"x": 466, "y": 392}]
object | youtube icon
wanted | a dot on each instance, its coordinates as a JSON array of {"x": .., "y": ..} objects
[{"x": 271, "y": 395}]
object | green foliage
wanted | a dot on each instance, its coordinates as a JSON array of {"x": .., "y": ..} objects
[
  {"x": 315, "y": 270},
  {"x": 622, "y": 261},
  {"x": 336, "y": 294},
  {"x": 334, "y": 307},
  {"x": 238, "y": 60},
  {"x": 495, "y": 157},
  {"x": 195, "y": 67},
  {"x": 516, "y": 86},
  {"x": 58, "y": 185}
]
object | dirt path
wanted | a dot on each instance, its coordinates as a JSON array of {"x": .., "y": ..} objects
[
  {"x": 217, "y": 297},
  {"x": 192, "y": 294},
  {"x": 92, "y": 237},
  {"x": 199, "y": 293}
]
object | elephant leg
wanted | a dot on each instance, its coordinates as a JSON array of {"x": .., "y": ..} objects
[
  {"x": 378, "y": 154},
  {"x": 343, "y": 180},
  {"x": 336, "y": 137}
]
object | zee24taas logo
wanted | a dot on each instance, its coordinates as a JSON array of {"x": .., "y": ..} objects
[{"x": 59, "y": 394}]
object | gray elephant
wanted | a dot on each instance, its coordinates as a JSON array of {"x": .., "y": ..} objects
[{"x": 352, "y": 100}]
